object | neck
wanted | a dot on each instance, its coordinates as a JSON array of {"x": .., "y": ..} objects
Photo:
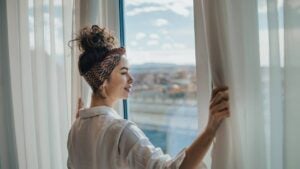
[{"x": 97, "y": 101}]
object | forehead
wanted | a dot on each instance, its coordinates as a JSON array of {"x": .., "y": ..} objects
[{"x": 123, "y": 62}]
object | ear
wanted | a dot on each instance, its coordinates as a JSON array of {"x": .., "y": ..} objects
[
  {"x": 103, "y": 91},
  {"x": 105, "y": 83}
]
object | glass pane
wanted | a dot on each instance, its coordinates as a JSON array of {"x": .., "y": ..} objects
[{"x": 161, "y": 51}]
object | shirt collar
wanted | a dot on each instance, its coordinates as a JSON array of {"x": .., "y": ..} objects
[{"x": 98, "y": 110}]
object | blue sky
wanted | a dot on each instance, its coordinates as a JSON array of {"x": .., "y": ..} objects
[{"x": 160, "y": 31}]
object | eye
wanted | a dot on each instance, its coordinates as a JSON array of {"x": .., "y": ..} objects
[{"x": 123, "y": 73}]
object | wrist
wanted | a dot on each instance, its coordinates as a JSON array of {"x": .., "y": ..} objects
[
  {"x": 212, "y": 126},
  {"x": 210, "y": 131}
]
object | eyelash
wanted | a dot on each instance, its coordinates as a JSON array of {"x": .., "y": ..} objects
[{"x": 124, "y": 73}]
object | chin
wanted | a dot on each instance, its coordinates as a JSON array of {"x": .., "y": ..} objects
[{"x": 125, "y": 97}]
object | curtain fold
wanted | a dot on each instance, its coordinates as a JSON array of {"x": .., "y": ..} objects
[
  {"x": 244, "y": 43},
  {"x": 274, "y": 110},
  {"x": 291, "y": 15},
  {"x": 37, "y": 35},
  {"x": 234, "y": 62},
  {"x": 8, "y": 151}
]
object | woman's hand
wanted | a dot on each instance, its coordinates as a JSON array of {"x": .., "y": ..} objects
[
  {"x": 79, "y": 106},
  {"x": 219, "y": 108},
  {"x": 218, "y": 111}
]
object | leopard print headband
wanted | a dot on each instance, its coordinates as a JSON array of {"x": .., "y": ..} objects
[{"x": 101, "y": 70}]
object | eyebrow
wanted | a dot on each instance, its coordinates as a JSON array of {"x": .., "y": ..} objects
[{"x": 126, "y": 68}]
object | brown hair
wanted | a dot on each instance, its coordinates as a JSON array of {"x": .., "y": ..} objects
[
  {"x": 94, "y": 42},
  {"x": 99, "y": 56}
]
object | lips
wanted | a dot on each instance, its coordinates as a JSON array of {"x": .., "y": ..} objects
[{"x": 128, "y": 89}]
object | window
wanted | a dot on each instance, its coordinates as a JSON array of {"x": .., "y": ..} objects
[{"x": 160, "y": 49}]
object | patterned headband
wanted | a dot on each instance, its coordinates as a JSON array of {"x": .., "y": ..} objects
[{"x": 101, "y": 70}]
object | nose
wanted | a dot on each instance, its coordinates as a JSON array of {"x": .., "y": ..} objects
[{"x": 130, "y": 78}]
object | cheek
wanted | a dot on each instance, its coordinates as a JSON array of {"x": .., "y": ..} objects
[
  {"x": 123, "y": 80},
  {"x": 119, "y": 84},
  {"x": 115, "y": 90}
]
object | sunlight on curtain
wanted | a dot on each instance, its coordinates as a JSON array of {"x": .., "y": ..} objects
[
  {"x": 252, "y": 48},
  {"x": 38, "y": 33}
]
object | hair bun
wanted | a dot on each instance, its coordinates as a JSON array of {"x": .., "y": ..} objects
[{"x": 95, "y": 37}]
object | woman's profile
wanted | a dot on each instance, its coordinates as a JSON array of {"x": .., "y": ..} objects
[{"x": 100, "y": 139}]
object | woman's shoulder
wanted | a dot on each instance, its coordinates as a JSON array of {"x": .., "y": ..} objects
[
  {"x": 120, "y": 123},
  {"x": 127, "y": 127}
]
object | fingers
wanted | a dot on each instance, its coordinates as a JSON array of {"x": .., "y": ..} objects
[
  {"x": 220, "y": 116},
  {"x": 219, "y": 105},
  {"x": 217, "y": 90},
  {"x": 225, "y": 113},
  {"x": 79, "y": 106},
  {"x": 219, "y": 97},
  {"x": 217, "y": 114},
  {"x": 224, "y": 105}
]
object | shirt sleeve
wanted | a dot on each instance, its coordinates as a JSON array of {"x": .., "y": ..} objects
[{"x": 138, "y": 152}]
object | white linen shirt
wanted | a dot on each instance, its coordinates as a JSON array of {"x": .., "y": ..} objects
[{"x": 101, "y": 139}]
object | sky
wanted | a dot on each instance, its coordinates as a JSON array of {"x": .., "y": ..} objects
[{"x": 162, "y": 31}]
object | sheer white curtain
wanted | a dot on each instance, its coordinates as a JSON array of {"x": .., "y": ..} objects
[
  {"x": 291, "y": 83},
  {"x": 251, "y": 46},
  {"x": 7, "y": 135},
  {"x": 104, "y": 13},
  {"x": 38, "y": 32}
]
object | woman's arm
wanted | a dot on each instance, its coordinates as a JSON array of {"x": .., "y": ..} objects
[{"x": 219, "y": 110}]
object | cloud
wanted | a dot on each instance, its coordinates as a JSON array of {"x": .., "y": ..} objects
[
  {"x": 164, "y": 32},
  {"x": 161, "y": 22},
  {"x": 157, "y": 2},
  {"x": 140, "y": 35},
  {"x": 143, "y": 2},
  {"x": 180, "y": 7},
  {"x": 166, "y": 46},
  {"x": 152, "y": 42},
  {"x": 153, "y": 36},
  {"x": 133, "y": 43},
  {"x": 137, "y": 11},
  {"x": 179, "y": 46},
  {"x": 175, "y": 46}
]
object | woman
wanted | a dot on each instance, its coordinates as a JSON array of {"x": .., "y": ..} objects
[{"x": 101, "y": 139}]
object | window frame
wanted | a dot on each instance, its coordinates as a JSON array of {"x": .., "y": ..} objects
[{"x": 122, "y": 44}]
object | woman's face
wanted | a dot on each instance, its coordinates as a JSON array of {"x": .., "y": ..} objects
[{"x": 120, "y": 82}]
